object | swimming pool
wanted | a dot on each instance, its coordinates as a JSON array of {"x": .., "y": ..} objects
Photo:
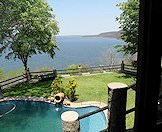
[{"x": 35, "y": 116}]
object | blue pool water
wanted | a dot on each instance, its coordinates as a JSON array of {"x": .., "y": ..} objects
[{"x": 30, "y": 116}]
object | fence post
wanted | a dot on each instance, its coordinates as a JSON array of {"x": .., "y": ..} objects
[
  {"x": 1, "y": 95},
  {"x": 79, "y": 69},
  {"x": 122, "y": 66},
  {"x": 70, "y": 122},
  {"x": 55, "y": 72},
  {"x": 117, "y": 95},
  {"x": 101, "y": 68}
]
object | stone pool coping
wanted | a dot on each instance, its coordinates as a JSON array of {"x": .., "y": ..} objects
[
  {"x": 72, "y": 104},
  {"x": 89, "y": 103}
]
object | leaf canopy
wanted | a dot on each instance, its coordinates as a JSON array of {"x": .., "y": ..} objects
[
  {"x": 128, "y": 21},
  {"x": 27, "y": 27}
]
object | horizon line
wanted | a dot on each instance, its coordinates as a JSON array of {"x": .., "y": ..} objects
[{"x": 86, "y": 34}]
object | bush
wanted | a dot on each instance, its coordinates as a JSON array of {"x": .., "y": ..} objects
[
  {"x": 68, "y": 89},
  {"x": 73, "y": 69},
  {"x": 57, "y": 85},
  {"x": 71, "y": 90}
]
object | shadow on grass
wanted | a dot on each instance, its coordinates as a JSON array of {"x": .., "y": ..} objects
[
  {"x": 125, "y": 76},
  {"x": 75, "y": 98},
  {"x": 39, "y": 89}
]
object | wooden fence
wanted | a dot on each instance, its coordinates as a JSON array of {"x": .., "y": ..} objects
[
  {"x": 90, "y": 70},
  {"x": 128, "y": 69},
  {"x": 12, "y": 81}
]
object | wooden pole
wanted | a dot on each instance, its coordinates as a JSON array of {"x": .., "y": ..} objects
[
  {"x": 122, "y": 66},
  {"x": 117, "y": 96},
  {"x": 70, "y": 122},
  {"x": 1, "y": 95}
]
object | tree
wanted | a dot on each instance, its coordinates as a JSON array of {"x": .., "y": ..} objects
[
  {"x": 129, "y": 59},
  {"x": 110, "y": 57},
  {"x": 128, "y": 20},
  {"x": 27, "y": 27}
]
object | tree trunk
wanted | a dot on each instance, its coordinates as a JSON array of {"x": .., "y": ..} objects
[
  {"x": 27, "y": 72},
  {"x": 24, "y": 59}
]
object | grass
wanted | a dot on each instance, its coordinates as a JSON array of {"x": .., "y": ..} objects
[
  {"x": 90, "y": 88},
  {"x": 94, "y": 87},
  {"x": 39, "y": 89},
  {"x": 12, "y": 73}
]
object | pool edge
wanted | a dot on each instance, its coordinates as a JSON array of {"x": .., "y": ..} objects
[{"x": 72, "y": 104}]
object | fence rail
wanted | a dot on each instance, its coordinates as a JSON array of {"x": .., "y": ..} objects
[
  {"x": 93, "y": 112},
  {"x": 90, "y": 70},
  {"x": 128, "y": 69},
  {"x": 41, "y": 72},
  {"x": 12, "y": 81}
]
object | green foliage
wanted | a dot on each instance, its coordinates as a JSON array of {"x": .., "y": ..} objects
[
  {"x": 27, "y": 27},
  {"x": 128, "y": 21},
  {"x": 72, "y": 68},
  {"x": 43, "y": 69},
  {"x": 39, "y": 89},
  {"x": 57, "y": 86},
  {"x": 69, "y": 88},
  {"x": 85, "y": 68}
]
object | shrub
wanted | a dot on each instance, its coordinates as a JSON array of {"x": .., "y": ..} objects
[
  {"x": 73, "y": 69},
  {"x": 68, "y": 89},
  {"x": 71, "y": 90},
  {"x": 57, "y": 85}
]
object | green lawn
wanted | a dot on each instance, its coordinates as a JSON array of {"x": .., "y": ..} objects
[
  {"x": 90, "y": 88},
  {"x": 94, "y": 87}
]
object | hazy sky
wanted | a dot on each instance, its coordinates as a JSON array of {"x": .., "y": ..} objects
[{"x": 86, "y": 17}]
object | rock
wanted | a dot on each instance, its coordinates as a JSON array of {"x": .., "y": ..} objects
[
  {"x": 66, "y": 102},
  {"x": 51, "y": 99}
]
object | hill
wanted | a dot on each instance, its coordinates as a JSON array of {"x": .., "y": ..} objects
[{"x": 113, "y": 34}]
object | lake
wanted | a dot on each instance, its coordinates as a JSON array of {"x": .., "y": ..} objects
[{"x": 73, "y": 50}]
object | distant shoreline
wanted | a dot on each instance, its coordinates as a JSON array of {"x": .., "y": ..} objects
[{"x": 113, "y": 34}]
